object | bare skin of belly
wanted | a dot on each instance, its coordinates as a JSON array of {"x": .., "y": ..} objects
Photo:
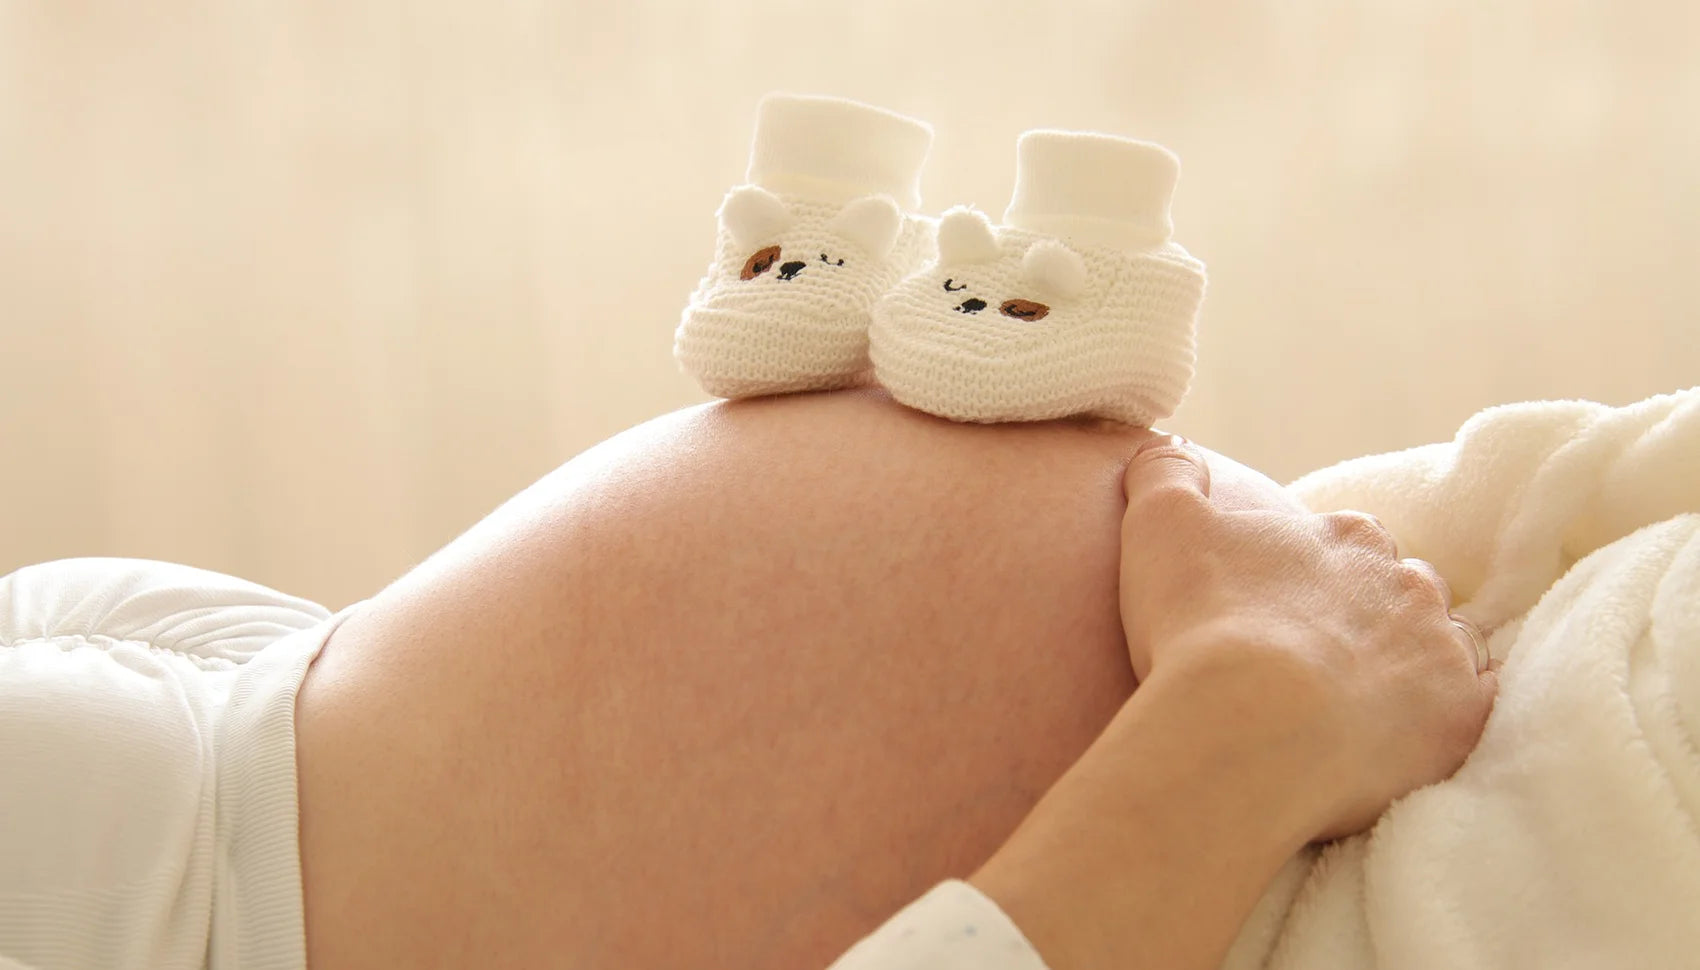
[{"x": 724, "y": 691}]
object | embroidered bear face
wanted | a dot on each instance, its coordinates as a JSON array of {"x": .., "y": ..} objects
[
  {"x": 763, "y": 259},
  {"x": 977, "y": 265},
  {"x": 1009, "y": 324},
  {"x": 778, "y": 248}
]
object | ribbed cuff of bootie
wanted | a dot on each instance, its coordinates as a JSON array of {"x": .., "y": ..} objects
[{"x": 834, "y": 150}]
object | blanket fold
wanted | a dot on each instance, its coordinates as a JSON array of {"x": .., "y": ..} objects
[{"x": 1571, "y": 836}]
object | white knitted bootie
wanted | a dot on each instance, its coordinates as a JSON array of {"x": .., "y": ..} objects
[
  {"x": 1078, "y": 304},
  {"x": 825, "y": 227}
]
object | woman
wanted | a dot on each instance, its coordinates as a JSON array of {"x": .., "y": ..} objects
[{"x": 735, "y": 686}]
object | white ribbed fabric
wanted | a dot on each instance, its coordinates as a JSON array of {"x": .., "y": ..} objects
[
  {"x": 952, "y": 927},
  {"x": 147, "y": 767},
  {"x": 1093, "y": 189},
  {"x": 1079, "y": 304},
  {"x": 833, "y": 150},
  {"x": 825, "y": 226}
]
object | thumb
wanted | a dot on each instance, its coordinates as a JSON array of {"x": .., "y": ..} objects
[{"x": 1166, "y": 467}]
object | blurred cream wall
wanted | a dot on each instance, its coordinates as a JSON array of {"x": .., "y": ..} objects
[{"x": 300, "y": 290}]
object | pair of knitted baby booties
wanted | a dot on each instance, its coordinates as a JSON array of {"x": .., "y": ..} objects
[{"x": 826, "y": 276}]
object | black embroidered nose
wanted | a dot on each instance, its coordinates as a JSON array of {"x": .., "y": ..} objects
[
  {"x": 971, "y": 305},
  {"x": 790, "y": 270}
]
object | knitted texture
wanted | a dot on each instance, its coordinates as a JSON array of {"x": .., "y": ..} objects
[
  {"x": 833, "y": 150},
  {"x": 1013, "y": 323},
  {"x": 790, "y": 310},
  {"x": 804, "y": 250}
]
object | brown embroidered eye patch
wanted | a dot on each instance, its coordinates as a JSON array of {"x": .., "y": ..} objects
[
  {"x": 759, "y": 263},
  {"x": 1024, "y": 309}
]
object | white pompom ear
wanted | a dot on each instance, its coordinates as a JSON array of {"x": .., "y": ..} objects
[
  {"x": 753, "y": 215},
  {"x": 966, "y": 236},
  {"x": 1054, "y": 268},
  {"x": 871, "y": 222}
]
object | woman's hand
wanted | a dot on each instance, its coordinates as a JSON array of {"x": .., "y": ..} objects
[
  {"x": 1296, "y": 677},
  {"x": 1351, "y": 653}
]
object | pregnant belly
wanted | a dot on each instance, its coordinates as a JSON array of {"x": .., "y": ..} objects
[{"x": 727, "y": 690}]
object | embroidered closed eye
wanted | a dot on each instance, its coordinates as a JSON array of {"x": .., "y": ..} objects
[
  {"x": 830, "y": 261},
  {"x": 952, "y": 289}
]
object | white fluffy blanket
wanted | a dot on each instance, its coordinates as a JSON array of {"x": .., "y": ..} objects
[{"x": 1571, "y": 837}]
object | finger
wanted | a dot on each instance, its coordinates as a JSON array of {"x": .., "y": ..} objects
[
  {"x": 1489, "y": 682},
  {"x": 1430, "y": 576},
  {"x": 1166, "y": 468},
  {"x": 1362, "y": 529}
]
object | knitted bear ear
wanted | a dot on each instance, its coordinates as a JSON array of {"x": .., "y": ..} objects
[
  {"x": 871, "y": 222},
  {"x": 966, "y": 236},
  {"x": 753, "y": 215},
  {"x": 1054, "y": 268}
]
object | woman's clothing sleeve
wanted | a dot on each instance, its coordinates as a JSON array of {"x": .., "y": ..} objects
[{"x": 952, "y": 927}]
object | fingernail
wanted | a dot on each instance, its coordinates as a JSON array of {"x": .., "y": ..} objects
[{"x": 1160, "y": 441}]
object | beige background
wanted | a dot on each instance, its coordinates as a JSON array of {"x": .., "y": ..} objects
[{"x": 299, "y": 290}]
